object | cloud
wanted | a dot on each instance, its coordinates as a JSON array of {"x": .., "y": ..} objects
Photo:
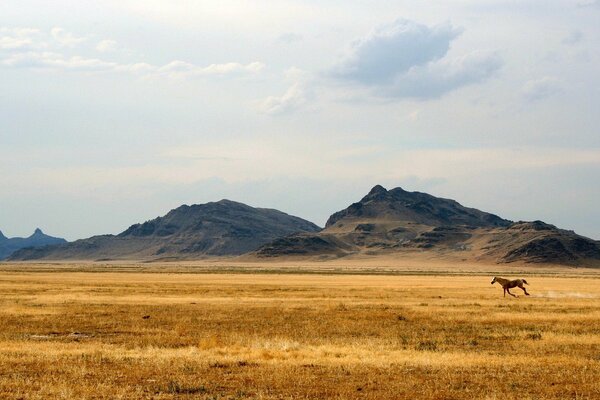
[
  {"x": 182, "y": 69},
  {"x": 27, "y": 48},
  {"x": 105, "y": 46},
  {"x": 542, "y": 88},
  {"x": 410, "y": 60},
  {"x": 55, "y": 61},
  {"x": 296, "y": 96},
  {"x": 438, "y": 78},
  {"x": 394, "y": 49},
  {"x": 14, "y": 43},
  {"x": 28, "y": 52},
  {"x": 65, "y": 38},
  {"x": 32, "y": 39},
  {"x": 173, "y": 70},
  {"x": 17, "y": 38}
]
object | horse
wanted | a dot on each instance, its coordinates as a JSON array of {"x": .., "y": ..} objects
[{"x": 508, "y": 284}]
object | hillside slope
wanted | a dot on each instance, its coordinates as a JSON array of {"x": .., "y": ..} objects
[
  {"x": 9, "y": 245},
  {"x": 402, "y": 223},
  {"x": 212, "y": 229}
]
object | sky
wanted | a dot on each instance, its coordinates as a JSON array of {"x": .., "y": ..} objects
[{"x": 115, "y": 112}]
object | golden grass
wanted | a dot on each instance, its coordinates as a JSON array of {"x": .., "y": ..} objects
[{"x": 284, "y": 336}]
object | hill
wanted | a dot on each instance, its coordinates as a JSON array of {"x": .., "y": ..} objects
[
  {"x": 9, "y": 245},
  {"x": 220, "y": 228},
  {"x": 412, "y": 223}
]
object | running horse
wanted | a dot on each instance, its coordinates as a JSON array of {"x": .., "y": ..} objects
[{"x": 508, "y": 284}]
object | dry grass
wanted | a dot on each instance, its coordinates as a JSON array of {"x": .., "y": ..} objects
[{"x": 242, "y": 336}]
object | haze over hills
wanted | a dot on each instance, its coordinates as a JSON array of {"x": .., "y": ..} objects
[
  {"x": 212, "y": 229},
  {"x": 9, "y": 245},
  {"x": 384, "y": 222},
  {"x": 413, "y": 223}
]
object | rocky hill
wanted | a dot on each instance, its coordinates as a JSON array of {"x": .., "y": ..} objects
[
  {"x": 9, "y": 245},
  {"x": 539, "y": 242},
  {"x": 213, "y": 229},
  {"x": 398, "y": 222},
  {"x": 394, "y": 222},
  {"x": 414, "y": 207}
]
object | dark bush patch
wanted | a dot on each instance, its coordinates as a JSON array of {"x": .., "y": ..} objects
[
  {"x": 178, "y": 388},
  {"x": 427, "y": 345},
  {"x": 534, "y": 336}
]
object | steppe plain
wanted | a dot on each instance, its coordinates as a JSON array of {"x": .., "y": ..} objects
[{"x": 349, "y": 329}]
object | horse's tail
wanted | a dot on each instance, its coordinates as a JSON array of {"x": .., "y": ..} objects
[{"x": 525, "y": 282}]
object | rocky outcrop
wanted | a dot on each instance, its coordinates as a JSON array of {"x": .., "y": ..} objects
[{"x": 10, "y": 245}]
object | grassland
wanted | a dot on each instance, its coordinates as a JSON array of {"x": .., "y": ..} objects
[{"x": 66, "y": 333}]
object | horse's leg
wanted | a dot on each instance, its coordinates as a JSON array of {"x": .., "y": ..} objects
[
  {"x": 525, "y": 290},
  {"x": 513, "y": 295},
  {"x": 504, "y": 292}
]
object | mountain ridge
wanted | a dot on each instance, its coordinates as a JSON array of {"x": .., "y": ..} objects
[
  {"x": 402, "y": 223},
  {"x": 221, "y": 228},
  {"x": 416, "y": 207},
  {"x": 8, "y": 246},
  {"x": 393, "y": 222}
]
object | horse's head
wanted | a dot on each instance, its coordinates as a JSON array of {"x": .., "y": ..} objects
[{"x": 494, "y": 280}]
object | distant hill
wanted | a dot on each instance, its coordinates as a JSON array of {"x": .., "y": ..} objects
[
  {"x": 412, "y": 207},
  {"x": 402, "y": 223},
  {"x": 539, "y": 242},
  {"x": 394, "y": 222},
  {"x": 220, "y": 228},
  {"x": 9, "y": 245}
]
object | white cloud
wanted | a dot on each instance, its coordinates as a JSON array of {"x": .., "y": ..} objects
[
  {"x": 393, "y": 49},
  {"x": 542, "y": 88},
  {"x": 13, "y": 43},
  {"x": 26, "y": 53},
  {"x": 296, "y": 96},
  {"x": 55, "y": 61},
  {"x": 410, "y": 60},
  {"x": 105, "y": 46},
  {"x": 18, "y": 38},
  {"x": 182, "y": 69},
  {"x": 65, "y": 38}
]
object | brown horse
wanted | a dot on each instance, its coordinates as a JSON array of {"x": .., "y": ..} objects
[{"x": 508, "y": 284}]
